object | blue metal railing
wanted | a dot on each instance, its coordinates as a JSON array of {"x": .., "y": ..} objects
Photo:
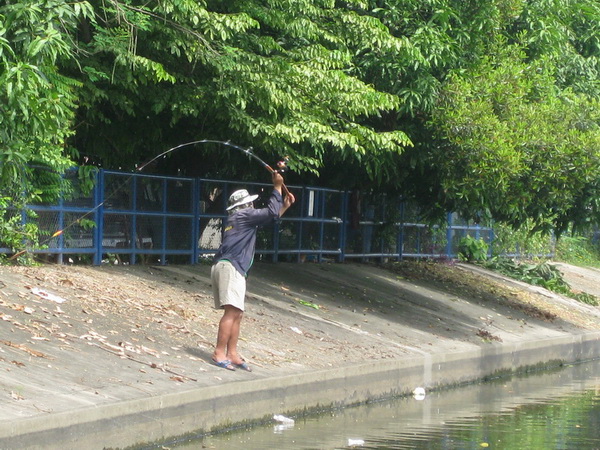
[{"x": 159, "y": 219}]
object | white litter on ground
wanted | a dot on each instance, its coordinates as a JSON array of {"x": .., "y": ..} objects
[{"x": 47, "y": 295}]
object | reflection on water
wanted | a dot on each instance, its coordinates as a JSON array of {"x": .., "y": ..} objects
[{"x": 550, "y": 410}]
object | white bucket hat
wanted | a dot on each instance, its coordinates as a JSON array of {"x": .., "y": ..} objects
[{"x": 239, "y": 198}]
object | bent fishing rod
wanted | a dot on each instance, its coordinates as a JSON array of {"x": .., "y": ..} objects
[{"x": 281, "y": 165}]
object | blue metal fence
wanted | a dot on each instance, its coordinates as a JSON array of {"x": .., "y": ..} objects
[{"x": 137, "y": 218}]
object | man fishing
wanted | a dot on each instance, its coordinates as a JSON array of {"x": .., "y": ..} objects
[{"x": 233, "y": 261}]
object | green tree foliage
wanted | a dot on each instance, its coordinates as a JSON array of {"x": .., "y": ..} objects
[
  {"x": 37, "y": 106},
  {"x": 568, "y": 32},
  {"x": 486, "y": 107},
  {"x": 276, "y": 75},
  {"x": 441, "y": 37},
  {"x": 37, "y": 101},
  {"x": 516, "y": 147},
  {"x": 469, "y": 154}
]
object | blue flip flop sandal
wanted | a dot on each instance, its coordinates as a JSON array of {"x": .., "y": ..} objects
[
  {"x": 225, "y": 364},
  {"x": 243, "y": 366}
]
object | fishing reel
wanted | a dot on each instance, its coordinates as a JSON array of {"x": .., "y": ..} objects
[{"x": 282, "y": 165}]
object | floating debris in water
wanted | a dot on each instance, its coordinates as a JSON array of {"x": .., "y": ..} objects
[
  {"x": 285, "y": 423},
  {"x": 419, "y": 393},
  {"x": 282, "y": 419}
]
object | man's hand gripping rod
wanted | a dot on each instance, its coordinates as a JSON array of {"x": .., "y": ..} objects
[{"x": 281, "y": 166}]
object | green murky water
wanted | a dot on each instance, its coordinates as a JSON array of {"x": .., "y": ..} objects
[{"x": 558, "y": 409}]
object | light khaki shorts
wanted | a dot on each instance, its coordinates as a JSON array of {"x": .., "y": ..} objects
[{"x": 229, "y": 286}]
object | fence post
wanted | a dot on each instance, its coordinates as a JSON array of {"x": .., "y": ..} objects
[
  {"x": 449, "y": 232},
  {"x": 276, "y": 226},
  {"x": 196, "y": 188},
  {"x": 99, "y": 217},
  {"x": 381, "y": 237},
  {"x": 343, "y": 226},
  {"x": 322, "y": 199},
  {"x": 400, "y": 236},
  {"x": 133, "y": 244},
  {"x": 61, "y": 224},
  {"x": 163, "y": 256},
  {"x": 276, "y": 240},
  {"x": 303, "y": 203}
]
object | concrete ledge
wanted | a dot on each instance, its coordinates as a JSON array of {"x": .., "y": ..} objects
[{"x": 205, "y": 409}]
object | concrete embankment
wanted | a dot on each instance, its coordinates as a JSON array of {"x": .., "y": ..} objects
[{"x": 126, "y": 361}]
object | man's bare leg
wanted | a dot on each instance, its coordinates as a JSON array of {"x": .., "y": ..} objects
[
  {"x": 232, "y": 353},
  {"x": 228, "y": 334}
]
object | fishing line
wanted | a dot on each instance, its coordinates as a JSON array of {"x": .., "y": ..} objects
[{"x": 248, "y": 151}]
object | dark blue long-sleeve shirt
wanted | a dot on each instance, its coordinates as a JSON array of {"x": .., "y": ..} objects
[{"x": 239, "y": 236}]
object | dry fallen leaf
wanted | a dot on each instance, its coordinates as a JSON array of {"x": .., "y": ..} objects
[
  {"x": 24, "y": 348},
  {"x": 16, "y": 396}
]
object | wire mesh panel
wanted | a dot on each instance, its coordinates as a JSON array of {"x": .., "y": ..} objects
[
  {"x": 48, "y": 223},
  {"x": 179, "y": 194},
  {"x": 79, "y": 200},
  {"x": 210, "y": 238},
  {"x": 411, "y": 213},
  {"x": 420, "y": 240},
  {"x": 309, "y": 229},
  {"x": 333, "y": 205},
  {"x": 179, "y": 231},
  {"x": 117, "y": 231},
  {"x": 434, "y": 242},
  {"x": 460, "y": 228},
  {"x": 150, "y": 231},
  {"x": 311, "y": 236},
  {"x": 118, "y": 191},
  {"x": 265, "y": 239},
  {"x": 331, "y": 236},
  {"x": 289, "y": 239},
  {"x": 212, "y": 202},
  {"x": 79, "y": 231},
  {"x": 412, "y": 238},
  {"x": 150, "y": 194},
  {"x": 372, "y": 225},
  {"x": 213, "y": 197}
]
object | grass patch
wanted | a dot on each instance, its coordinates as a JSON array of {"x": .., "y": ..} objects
[
  {"x": 539, "y": 274},
  {"x": 578, "y": 250}
]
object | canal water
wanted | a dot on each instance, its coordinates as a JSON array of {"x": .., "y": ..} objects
[{"x": 553, "y": 409}]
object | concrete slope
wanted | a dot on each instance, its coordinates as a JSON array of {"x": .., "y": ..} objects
[{"x": 124, "y": 359}]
